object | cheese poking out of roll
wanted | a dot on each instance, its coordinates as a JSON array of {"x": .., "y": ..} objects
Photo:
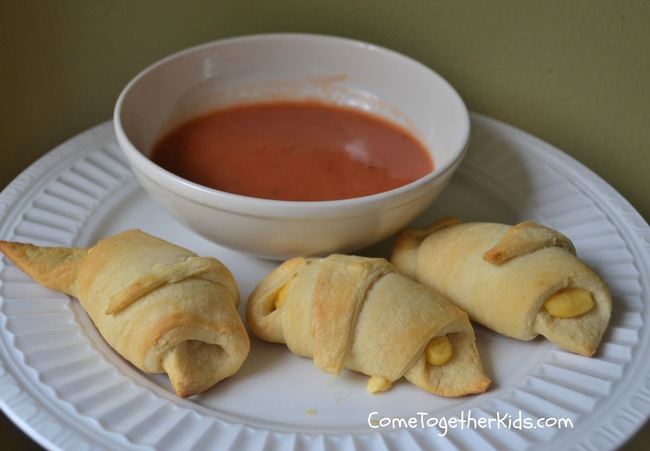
[
  {"x": 521, "y": 281},
  {"x": 359, "y": 313},
  {"x": 569, "y": 303}
]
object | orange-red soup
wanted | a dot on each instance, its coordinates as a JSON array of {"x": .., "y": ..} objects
[{"x": 296, "y": 151}]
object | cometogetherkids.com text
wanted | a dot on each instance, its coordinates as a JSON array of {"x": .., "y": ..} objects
[{"x": 466, "y": 420}]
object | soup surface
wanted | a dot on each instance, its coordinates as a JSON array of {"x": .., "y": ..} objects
[{"x": 296, "y": 151}]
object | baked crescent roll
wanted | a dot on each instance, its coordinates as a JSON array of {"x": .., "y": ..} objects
[
  {"x": 520, "y": 281},
  {"x": 362, "y": 314},
  {"x": 160, "y": 306}
]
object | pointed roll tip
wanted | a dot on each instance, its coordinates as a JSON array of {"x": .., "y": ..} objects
[
  {"x": 53, "y": 267},
  {"x": 525, "y": 238}
]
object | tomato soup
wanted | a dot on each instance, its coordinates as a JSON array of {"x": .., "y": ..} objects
[{"x": 296, "y": 151}]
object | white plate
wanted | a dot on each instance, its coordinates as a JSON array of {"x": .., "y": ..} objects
[{"x": 65, "y": 387}]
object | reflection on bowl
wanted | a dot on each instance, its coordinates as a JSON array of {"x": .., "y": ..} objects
[{"x": 296, "y": 68}]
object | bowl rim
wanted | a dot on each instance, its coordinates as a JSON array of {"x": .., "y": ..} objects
[{"x": 230, "y": 201}]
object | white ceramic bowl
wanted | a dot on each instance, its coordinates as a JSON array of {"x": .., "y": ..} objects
[{"x": 291, "y": 66}]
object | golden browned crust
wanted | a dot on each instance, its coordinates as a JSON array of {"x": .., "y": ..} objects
[
  {"x": 360, "y": 313},
  {"x": 501, "y": 276},
  {"x": 524, "y": 238},
  {"x": 158, "y": 305}
]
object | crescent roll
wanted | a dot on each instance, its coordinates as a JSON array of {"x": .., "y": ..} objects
[
  {"x": 362, "y": 314},
  {"x": 160, "y": 306},
  {"x": 520, "y": 281}
]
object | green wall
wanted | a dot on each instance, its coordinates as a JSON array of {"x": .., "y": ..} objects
[{"x": 572, "y": 72}]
